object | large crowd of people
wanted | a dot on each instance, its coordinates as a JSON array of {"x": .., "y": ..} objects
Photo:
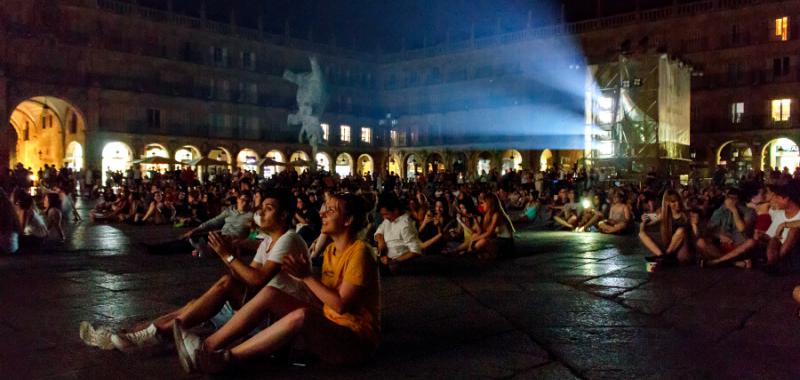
[{"x": 360, "y": 225}]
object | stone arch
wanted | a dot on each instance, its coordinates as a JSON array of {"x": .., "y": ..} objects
[
  {"x": 40, "y": 123},
  {"x": 413, "y": 166},
  {"x": 435, "y": 163},
  {"x": 187, "y": 153},
  {"x": 511, "y": 160},
  {"x": 366, "y": 164},
  {"x": 299, "y": 155},
  {"x": 116, "y": 156},
  {"x": 344, "y": 164},
  {"x": 74, "y": 157},
  {"x": 546, "y": 160},
  {"x": 780, "y": 152},
  {"x": 483, "y": 163},
  {"x": 247, "y": 159},
  {"x": 278, "y": 156},
  {"x": 323, "y": 161}
]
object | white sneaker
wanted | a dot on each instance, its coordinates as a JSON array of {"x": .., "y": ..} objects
[
  {"x": 138, "y": 339},
  {"x": 187, "y": 345},
  {"x": 100, "y": 337}
]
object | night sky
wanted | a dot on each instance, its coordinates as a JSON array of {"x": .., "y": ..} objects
[{"x": 385, "y": 23}]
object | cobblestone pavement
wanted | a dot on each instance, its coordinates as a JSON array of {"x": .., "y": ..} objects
[{"x": 571, "y": 306}]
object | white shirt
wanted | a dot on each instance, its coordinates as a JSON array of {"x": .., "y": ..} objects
[
  {"x": 400, "y": 236},
  {"x": 778, "y": 217},
  {"x": 289, "y": 244}
]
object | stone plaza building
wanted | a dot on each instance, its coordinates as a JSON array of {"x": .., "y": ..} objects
[{"x": 101, "y": 83}]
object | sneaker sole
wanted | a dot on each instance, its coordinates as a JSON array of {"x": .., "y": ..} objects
[
  {"x": 183, "y": 355},
  {"x": 87, "y": 333}
]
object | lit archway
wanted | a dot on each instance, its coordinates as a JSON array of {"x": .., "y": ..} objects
[
  {"x": 299, "y": 156},
  {"x": 736, "y": 156},
  {"x": 434, "y": 163},
  {"x": 155, "y": 150},
  {"x": 117, "y": 157},
  {"x": 546, "y": 160},
  {"x": 220, "y": 154},
  {"x": 247, "y": 160},
  {"x": 44, "y": 125},
  {"x": 393, "y": 165},
  {"x": 484, "y": 165},
  {"x": 277, "y": 156},
  {"x": 344, "y": 165},
  {"x": 780, "y": 153},
  {"x": 365, "y": 165},
  {"x": 187, "y": 153},
  {"x": 323, "y": 161},
  {"x": 512, "y": 160},
  {"x": 413, "y": 167},
  {"x": 74, "y": 158}
]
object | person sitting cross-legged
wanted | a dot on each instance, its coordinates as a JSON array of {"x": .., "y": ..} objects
[
  {"x": 726, "y": 238},
  {"x": 341, "y": 326},
  {"x": 231, "y": 291}
]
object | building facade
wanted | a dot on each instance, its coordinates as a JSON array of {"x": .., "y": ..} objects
[{"x": 79, "y": 88}]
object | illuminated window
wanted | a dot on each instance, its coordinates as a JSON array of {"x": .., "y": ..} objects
[
  {"x": 782, "y": 28},
  {"x": 393, "y": 137},
  {"x": 737, "y": 111},
  {"x": 344, "y": 133},
  {"x": 781, "y": 109},
  {"x": 325, "y": 130},
  {"x": 366, "y": 135}
]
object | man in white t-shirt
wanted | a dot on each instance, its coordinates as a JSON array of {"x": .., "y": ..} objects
[
  {"x": 783, "y": 231},
  {"x": 234, "y": 289},
  {"x": 397, "y": 236}
]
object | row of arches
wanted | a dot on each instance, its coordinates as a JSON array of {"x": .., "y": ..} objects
[
  {"x": 777, "y": 153},
  {"x": 413, "y": 164},
  {"x": 118, "y": 156}
]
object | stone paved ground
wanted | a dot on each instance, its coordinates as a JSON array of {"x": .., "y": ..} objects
[{"x": 572, "y": 306}]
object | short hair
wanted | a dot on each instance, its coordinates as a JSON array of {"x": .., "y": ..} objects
[
  {"x": 733, "y": 192},
  {"x": 355, "y": 207},
  {"x": 389, "y": 201},
  {"x": 789, "y": 190},
  {"x": 287, "y": 204}
]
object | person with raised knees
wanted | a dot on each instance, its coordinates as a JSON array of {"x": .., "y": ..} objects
[
  {"x": 675, "y": 230},
  {"x": 341, "y": 326},
  {"x": 230, "y": 292}
]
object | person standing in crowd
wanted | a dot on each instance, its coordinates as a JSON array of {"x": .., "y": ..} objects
[
  {"x": 54, "y": 218},
  {"x": 34, "y": 230},
  {"x": 9, "y": 226}
]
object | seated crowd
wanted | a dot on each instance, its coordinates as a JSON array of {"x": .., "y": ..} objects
[{"x": 359, "y": 226}]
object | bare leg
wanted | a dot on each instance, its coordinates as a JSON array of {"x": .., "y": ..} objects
[
  {"x": 204, "y": 307},
  {"x": 563, "y": 222},
  {"x": 268, "y": 300},
  {"x": 650, "y": 244},
  {"x": 331, "y": 342},
  {"x": 737, "y": 252},
  {"x": 707, "y": 250}
]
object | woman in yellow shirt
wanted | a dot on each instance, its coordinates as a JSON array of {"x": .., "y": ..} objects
[{"x": 341, "y": 328}]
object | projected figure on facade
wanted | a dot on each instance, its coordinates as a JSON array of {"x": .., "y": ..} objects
[{"x": 311, "y": 100}]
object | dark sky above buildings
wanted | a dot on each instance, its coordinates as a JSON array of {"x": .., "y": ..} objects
[{"x": 366, "y": 24}]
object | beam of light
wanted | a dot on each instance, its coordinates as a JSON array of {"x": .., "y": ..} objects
[{"x": 539, "y": 105}]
